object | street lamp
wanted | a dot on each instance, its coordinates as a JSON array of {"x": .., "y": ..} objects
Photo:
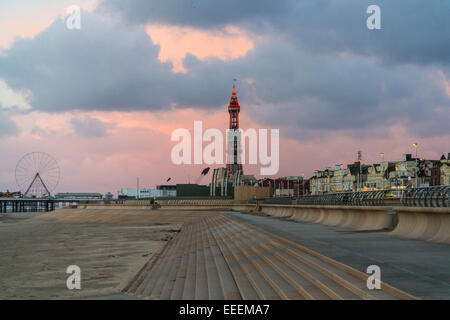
[
  {"x": 303, "y": 183},
  {"x": 137, "y": 189},
  {"x": 359, "y": 176},
  {"x": 415, "y": 169},
  {"x": 382, "y": 173}
]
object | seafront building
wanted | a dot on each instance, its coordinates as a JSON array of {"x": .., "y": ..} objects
[
  {"x": 408, "y": 173},
  {"x": 79, "y": 196},
  {"x": 147, "y": 193}
]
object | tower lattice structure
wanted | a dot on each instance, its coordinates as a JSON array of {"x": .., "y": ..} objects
[{"x": 234, "y": 163}]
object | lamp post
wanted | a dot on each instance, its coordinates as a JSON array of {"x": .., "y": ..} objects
[
  {"x": 397, "y": 169},
  {"x": 359, "y": 176},
  {"x": 303, "y": 183},
  {"x": 328, "y": 181},
  {"x": 137, "y": 189},
  {"x": 382, "y": 173},
  {"x": 274, "y": 187},
  {"x": 415, "y": 169}
]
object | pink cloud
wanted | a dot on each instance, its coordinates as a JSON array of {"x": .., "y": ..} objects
[{"x": 175, "y": 42}]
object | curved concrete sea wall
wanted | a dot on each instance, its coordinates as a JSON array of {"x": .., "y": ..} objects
[
  {"x": 429, "y": 224},
  {"x": 421, "y": 223},
  {"x": 277, "y": 210},
  {"x": 359, "y": 218}
]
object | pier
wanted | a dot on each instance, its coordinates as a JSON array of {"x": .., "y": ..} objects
[{"x": 26, "y": 205}]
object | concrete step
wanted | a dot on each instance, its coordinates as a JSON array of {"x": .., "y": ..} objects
[
  {"x": 282, "y": 264},
  {"x": 189, "y": 282},
  {"x": 230, "y": 290},
  {"x": 248, "y": 265},
  {"x": 219, "y": 257},
  {"x": 260, "y": 265},
  {"x": 285, "y": 251},
  {"x": 306, "y": 289},
  {"x": 213, "y": 284},
  {"x": 174, "y": 270},
  {"x": 150, "y": 275},
  {"x": 162, "y": 277},
  {"x": 236, "y": 265},
  {"x": 178, "y": 287},
  {"x": 201, "y": 278},
  {"x": 338, "y": 270}
]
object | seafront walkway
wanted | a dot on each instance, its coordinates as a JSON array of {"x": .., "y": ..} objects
[
  {"x": 213, "y": 250},
  {"x": 219, "y": 256}
]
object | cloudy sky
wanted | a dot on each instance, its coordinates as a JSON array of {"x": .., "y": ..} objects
[{"x": 103, "y": 100}]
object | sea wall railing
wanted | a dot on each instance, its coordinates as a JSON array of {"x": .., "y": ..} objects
[{"x": 436, "y": 196}]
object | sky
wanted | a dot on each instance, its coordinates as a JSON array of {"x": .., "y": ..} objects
[{"x": 103, "y": 100}]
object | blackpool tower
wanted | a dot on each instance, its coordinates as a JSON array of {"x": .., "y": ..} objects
[{"x": 234, "y": 163}]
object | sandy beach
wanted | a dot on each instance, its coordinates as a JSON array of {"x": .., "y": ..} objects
[{"x": 110, "y": 247}]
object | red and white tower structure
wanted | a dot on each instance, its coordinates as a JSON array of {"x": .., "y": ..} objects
[{"x": 234, "y": 163}]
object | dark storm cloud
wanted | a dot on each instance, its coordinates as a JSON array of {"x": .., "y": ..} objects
[
  {"x": 294, "y": 80},
  {"x": 308, "y": 92},
  {"x": 105, "y": 65},
  {"x": 412, "y": 30},
  {"x": 198, "y": 13},
  {"x": 88, "y": 127}
]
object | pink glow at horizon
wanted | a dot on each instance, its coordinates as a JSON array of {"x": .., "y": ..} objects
[{"x": 138, "y": 144}]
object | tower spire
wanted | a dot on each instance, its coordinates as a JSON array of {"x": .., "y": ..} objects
[
  {"x": 234, "y": 104},
  {"x": 234, "y": 163}
]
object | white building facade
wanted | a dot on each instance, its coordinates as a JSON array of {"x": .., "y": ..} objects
[{"x": 146, "y": 193}]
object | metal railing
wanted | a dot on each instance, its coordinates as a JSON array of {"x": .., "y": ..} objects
[{"x": 437, "y": 196}]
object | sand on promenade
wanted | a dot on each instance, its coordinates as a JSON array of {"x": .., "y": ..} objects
[{"x": 110, "y": 247}]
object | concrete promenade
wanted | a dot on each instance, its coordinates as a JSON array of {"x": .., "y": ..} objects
[
  {"x": 417, "y": 267},
  {"x": 136, "y": 252},
  {"x": 218, "y": 257}
]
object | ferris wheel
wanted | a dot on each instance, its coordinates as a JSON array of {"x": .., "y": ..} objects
[{"x": 37, "y": 174}]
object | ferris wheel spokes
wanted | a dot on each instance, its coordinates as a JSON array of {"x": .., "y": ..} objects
[{"x": 37, "y": 174}]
